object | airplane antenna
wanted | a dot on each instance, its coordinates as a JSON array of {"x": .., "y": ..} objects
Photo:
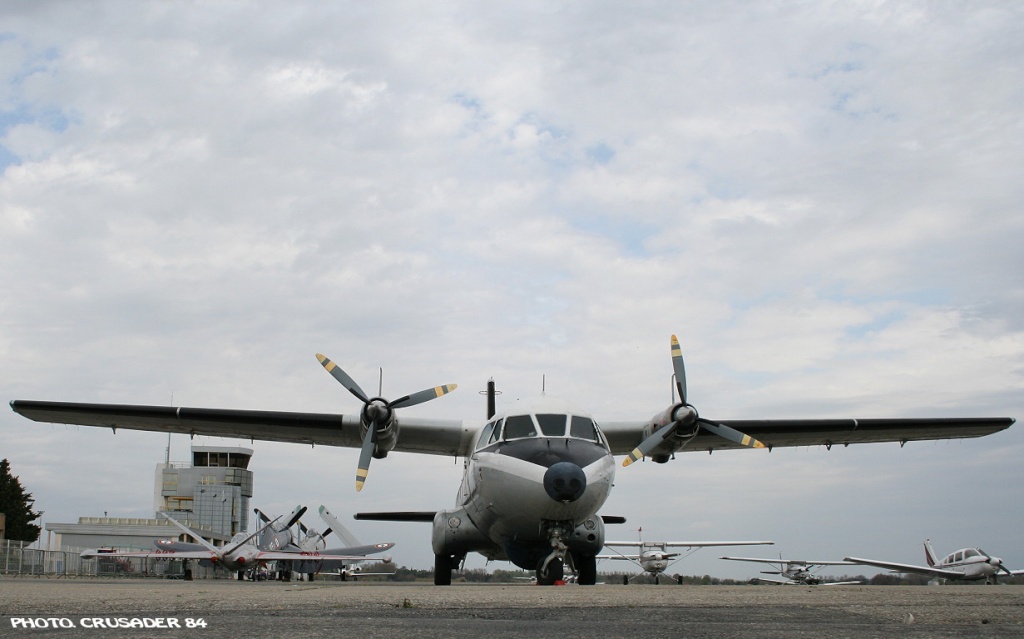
[
  {"x": 491, "y": 393},
  {"x": 167, "y": 456}
]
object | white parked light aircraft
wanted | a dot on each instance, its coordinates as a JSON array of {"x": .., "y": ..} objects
[
  {"x": 797, "y": 572},
  {"x": 654, "y": 557},
  {"x": 346, "y": 569},
  {"x": 966, "y": 564},
  {"x": 535, "y": 478},
  {"x": 237, "y": 556}
]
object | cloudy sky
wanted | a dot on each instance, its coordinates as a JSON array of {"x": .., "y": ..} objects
[{"x": 821, "y": 199}]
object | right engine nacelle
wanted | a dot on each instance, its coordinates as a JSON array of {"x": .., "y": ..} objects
[
  {"x": 454, "y": 534},
  {"x": 683, "y": 419}
]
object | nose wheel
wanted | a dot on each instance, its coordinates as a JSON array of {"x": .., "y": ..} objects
[{"x": 549, "y": 571}]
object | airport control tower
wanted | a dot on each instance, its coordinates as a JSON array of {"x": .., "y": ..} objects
[{"x": 212, "y": 493}]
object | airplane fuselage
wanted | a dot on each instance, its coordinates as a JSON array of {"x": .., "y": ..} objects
[
  {"x": 532, "y": 487},
  {"x": 655, "y": 561},
  {"x": 972, "y": 564}
]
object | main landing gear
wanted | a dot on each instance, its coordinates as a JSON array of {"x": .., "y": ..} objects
[{"x": 443, "y": 567}]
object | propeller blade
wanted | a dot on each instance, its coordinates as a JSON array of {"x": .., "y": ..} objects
[
  {"x": 422, "y": 396},
  {"x": 343, "y": 377},
  {"x": 647, "y": 445},
  {"x": 299, "y": 512},
  {"x": 365, "y": 454},
  {"x": 730, "y": 433},
  {"x": 679, "y": 369}
]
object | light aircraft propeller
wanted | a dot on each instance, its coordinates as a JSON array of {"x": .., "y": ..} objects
[
  {"x": 378, "y": 414},
  {"x": 683, "y": 417},
  {"x": 995, "y": 561}
]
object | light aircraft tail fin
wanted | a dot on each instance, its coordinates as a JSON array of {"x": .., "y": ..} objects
[
  {"x": 337, "y": 528},
  {"x": 929, "y": 553}
]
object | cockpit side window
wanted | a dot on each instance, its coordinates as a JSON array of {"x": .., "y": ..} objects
[
  {"x": 518, "y": 426},
  {"x": 485, "y": 435},
  {"x": 551, "y": 425},
  {"x": 971, "y": 553},
  {"x": 496, "y": 433},
  {"x": 584, "y": 428}
]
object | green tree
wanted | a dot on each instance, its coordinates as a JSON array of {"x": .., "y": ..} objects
[{"x": 16, "y": 505}]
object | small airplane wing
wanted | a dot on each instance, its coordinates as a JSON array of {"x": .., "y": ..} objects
[
  {"x": 624, "y": 437},
  {"x": 798, "y": 562},
  {"x": 780, "y": 582},
  {"x": 431, "y": 436},
  {"x": 360, "y": 551},
  {"x": 150, "y": 554},
  {"x": 923, "y": 570},
  {"x": 708, "y": 544},
  {"x": 305, "y": 556}
]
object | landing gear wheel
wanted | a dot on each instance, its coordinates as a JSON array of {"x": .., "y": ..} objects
[
  {"x": 586, "y": 569},
  {"x": 555, "y": 572},
  {"x": 443, "y": 565}
]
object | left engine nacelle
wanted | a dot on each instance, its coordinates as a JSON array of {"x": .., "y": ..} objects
[{"x": 377, "y": 414}]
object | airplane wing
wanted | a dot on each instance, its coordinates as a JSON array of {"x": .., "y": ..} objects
[
  {"x": 651, "y": 545},
  {"x": 305, "y": 556},
  {"x": 923, "y": 570},
  {"x": 624, "y": 437},
  {"x": 707, "y": 544},
  {"x": 800, "y": 562},
  {"x": 360, "y": 551},
  {"x": 150, "y": 554},
  {"x": 452, "y": 437},
  {"x": 432, "y": 436},
  {"x": 781, "y": 582}
]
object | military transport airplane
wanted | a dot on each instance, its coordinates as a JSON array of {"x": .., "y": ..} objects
[
  {"x": 797, "y": 572},
  {"x": 654, "y": 557},
  {"x": 966, "y": 564},
  {"x": 535, "y": 478},
  {"x": 238, "y": 556}
]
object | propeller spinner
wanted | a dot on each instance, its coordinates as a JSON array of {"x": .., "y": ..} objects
[
  {"x": 685, "y": 415},
  {"x": 377, "y": 412}
]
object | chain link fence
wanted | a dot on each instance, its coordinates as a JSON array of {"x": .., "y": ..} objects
[{"x": 17, "y": 559}]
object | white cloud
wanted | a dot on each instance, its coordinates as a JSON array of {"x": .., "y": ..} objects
[{"x": 821, "y": 201}]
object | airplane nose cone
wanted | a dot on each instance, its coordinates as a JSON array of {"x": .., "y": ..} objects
[{"x": 565, "y": 482}]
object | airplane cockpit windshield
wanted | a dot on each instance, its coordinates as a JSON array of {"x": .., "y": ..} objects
[{"x": 515, "y": 427}]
